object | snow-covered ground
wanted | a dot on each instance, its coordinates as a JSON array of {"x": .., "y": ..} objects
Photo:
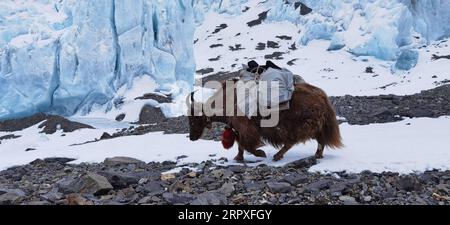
[
  {"x": 412, "y": 145},
  {"x": 337, "y": 72}
]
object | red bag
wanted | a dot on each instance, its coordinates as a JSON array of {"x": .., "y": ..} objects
[{"x": 228, "y": 138}]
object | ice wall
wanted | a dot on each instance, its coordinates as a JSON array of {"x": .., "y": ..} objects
[
  {"x": 231, "y": 7},
  {"x": 380, "y": 28},
  {"x": 65, "y": 56}
]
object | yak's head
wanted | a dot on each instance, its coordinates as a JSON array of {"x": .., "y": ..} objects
[{"x": 197, "y": 119}]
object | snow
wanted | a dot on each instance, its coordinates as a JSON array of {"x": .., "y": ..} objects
[
  {"x": 377, "y": 28},
  {"x": 412, "y": 145},
  {"x": 338, "y": 72}
]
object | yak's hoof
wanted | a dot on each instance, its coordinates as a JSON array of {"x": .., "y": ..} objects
[
  {"x": 319, "y": 156},
  {"x": 239, "y": 159},
  {"x": 260, "y": 153},
  {"x": 277, "y": 157}
]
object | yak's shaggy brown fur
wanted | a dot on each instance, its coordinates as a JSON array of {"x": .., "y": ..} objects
[{"x": 310, "y": 116}]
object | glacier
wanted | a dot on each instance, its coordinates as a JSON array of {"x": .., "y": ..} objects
[
  {"x": 66, "y": 56},
  {"x": 380, "y": 28}
]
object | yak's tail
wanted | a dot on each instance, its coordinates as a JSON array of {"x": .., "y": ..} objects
[{"x": 331, "y": 136}]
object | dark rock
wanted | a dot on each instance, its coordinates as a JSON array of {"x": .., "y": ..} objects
[
  {"x": 51, "y": 124},
  {"x": 302, "y": 163},
  {"x": 120, "y": 117},
  {"x": 291, "y": 62},
  {"x": 348, "y": 200},
  {"x": 279, "y": 187},
  {"x": 215, "y": 59},
  {"x": 119, "y": 180},
  {"x": 295, "y": 179},
  {"x": 417, "y": 112},
  {"x": 210, "y": 198},
  {"x": 272, "y": 44},
  {"x": 150, "y": 115},
  {"x": 214, "y": 46},
  {"x": 408, "y": 183},
  {"x": 236, "y": 47},
  {"x": 219, "y": 28},
  {"x": 227, "y": 189},
  {"x": 22, "y": 123},
  {"x": 10, "y": 199},
  {"x": 338, "y": 188},
  {"x": 54, "y": 123},
  {"x": 120, "y": 161},
  {"x": 175, "y": 198},
  {"x": 284, "y": 37},
  {"x": 181, "y": 157},
  {"x": 261, "y": 17},
  {"x": 11, "y": 196},
  {"x": 304, "y": 10},
  {"x": 261, "y": 46},
  {"x": 90, "y": 183},
  {"x": 37, "y": 203},
  {"x": 153, "y": 188},
  {"x": 362, "y": 110},
  {"x": 254, "y": 186},
  {"x": 293, "y": 47},
  {"x": 237, "y": 169},
  {"x": 9, "y": 136},
  {"x": 58, "y": 160},
  {"x": 160, "y": 98},
  {"x": 105, "y": 136},
  {"x": 275, "y": 55},
  {"x": 206, "y": 70},
  {"x": 52, "y": 196},
  {"x": 436, "y": 57},
  {"x": 318, "y": 185},
  {"x": 65, "y": 185},
  {"x": 443, "y": 188}
]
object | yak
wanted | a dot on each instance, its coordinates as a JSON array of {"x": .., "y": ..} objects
[{"x": 310, "y": 116}]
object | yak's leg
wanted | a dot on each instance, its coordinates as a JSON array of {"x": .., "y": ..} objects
[
  {"x": 280, "y": 154},
  {"x": 256, "y": 152},
  {"x": 252, "y": 147},
  {"x": 319, "y": 152},
  {"x": 259, "y": 153},
  {"x": 240, "y": 156}
]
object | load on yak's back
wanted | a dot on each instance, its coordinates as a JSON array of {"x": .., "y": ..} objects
[
  {"x": 304, "y": 112},
  {"x": 266, "y": 79}
]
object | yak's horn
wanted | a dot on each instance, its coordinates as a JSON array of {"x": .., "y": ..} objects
[{"x": 192, "y": 97}]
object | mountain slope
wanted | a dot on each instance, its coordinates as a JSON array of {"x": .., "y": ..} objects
[{"x": 366, "y": 48}]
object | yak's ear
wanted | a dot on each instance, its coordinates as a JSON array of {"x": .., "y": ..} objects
[{"x": 253, "y": 64}]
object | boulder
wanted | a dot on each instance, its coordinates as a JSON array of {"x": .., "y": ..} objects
[
  {"x": 119, "y": 161},
  {"x": 210, "y": 198},
  {"x": 279, "y": 187}
]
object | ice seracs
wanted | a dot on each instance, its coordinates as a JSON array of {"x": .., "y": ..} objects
[
  {"x": 67, "y": 56},
  {"x": 379, "y": 28}
]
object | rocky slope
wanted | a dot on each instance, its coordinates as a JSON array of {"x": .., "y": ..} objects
[{"x": 122, "y": 180}]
